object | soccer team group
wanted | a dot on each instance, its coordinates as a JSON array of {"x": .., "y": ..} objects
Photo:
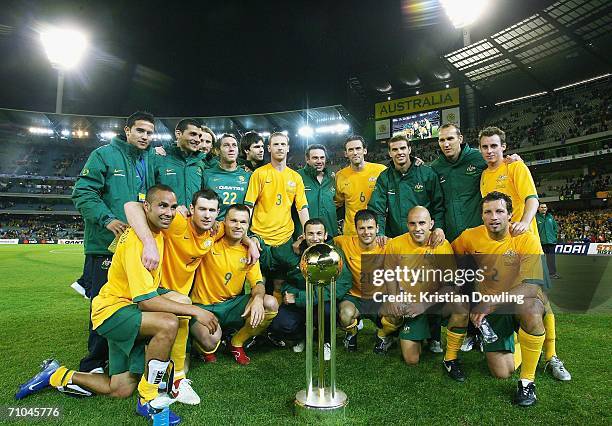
[{"x": 178, "y": 241}]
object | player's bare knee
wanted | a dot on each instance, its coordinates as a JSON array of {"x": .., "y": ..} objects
[
  {"x": 501, "y": 372},
  {"x": 270, "y": 303},
  {"x": 411, "y": 358},
  {"x": 458, "y": 321},
  {"x": 167, "y": 324},
  {"x": 123, "y": 391}
]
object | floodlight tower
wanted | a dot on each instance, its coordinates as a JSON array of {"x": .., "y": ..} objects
[{"x": 64, "y": 48}]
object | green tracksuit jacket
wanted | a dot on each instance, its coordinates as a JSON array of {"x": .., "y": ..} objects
[
  {"x": 547, "y": 228},
  {"x": 180, "y": 171},
  {"x": 460, "y": 182},
  {"x": 395, "y": 194},
  {"x": 106, "y": 183},
  {"x": 320, "y": 198}
]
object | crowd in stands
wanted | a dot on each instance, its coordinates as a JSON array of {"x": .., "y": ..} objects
[
  {"x": 35, "y": 187},
  {"x": 594, "y": 226},
  {"x": 41, "y": 227}
]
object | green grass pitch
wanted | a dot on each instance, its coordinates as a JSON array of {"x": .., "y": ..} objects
[{"x": 43, "y": 317}]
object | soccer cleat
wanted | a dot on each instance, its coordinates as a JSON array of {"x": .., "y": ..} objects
[
  {"x": 558, "y": 369},
  {"x": 149, "y": 409},
  {"x": 208, "y": 358},
  {"x": 327, "y": 351},
  {"x": 435, "y": 347},
  {"x": 40, "y": 381},
  {"x": 468, "y": 343},
  {"x": 299, "y": 347},
  {"x": 274, "y": 341},
  {"x": 251, "y": 343},
  {"x": 350, "y": 342},
  {"x": 382, "y": 345},
  {"x": 453, "y": 369},
  {"x": 239, "y": 355},
  {"x": 183, "y": 392},
  {"x": 525, "y": 396}
]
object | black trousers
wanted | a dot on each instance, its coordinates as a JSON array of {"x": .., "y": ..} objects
[
  {"x": 549, "y": 250},
  {"x": 290, "y": 323},
  {"x": 85, "y": 278},
  {"x": 97, "y": 269}
]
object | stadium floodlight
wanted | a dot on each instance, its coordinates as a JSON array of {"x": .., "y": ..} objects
[
  {"x": 522, "y": 98},
  {"x": 463, "y": 13},
  {"x": 306, "y": 131},
  {"x": 64, "y": 48}
]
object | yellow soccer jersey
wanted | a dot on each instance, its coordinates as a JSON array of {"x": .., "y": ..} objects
[
  {"x": 506, "y": 263},
  {"x": 128, "y": 280},
  {"x": 515, "y": 181},
  {"x": 183, "y": 251},
  {"x": 273, "y": 193},
  {"x": 353, "y": 190},
  {"x": 222, "y": 272},
  {"x": 352, "y": 253},
  {"x": 404, "y": 252}
]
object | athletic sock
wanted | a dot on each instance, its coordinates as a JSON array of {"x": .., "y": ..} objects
[
  {"x": 518, "y": 359},
  {"x": 352, "y": 328},
  {"x": 247, "y": 331},
  {"x": 550, "y": 349},
  {"x": 531, "y": 348},
  {"x": 61, "y": 377},
  {"x": 453, "y": 343},
  {"x": 148, "y": 387},
  {"x": 201, "y": 349},
  {"x": 387, "y": 329},
  {"x": 179, "y": 348}
]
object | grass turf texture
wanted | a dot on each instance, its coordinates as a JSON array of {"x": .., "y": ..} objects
[{"x": 43, "y": 317}]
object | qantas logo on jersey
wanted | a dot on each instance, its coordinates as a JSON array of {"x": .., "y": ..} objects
[{"x": 230, "y": 188}]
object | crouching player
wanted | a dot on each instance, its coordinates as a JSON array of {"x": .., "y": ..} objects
[
  {"x": 514, "y": 267},
  {"x": 413, "y": 251},
  {"x": 219, "y": 288},
  {"x": 130, "y": 313},
  {"x": 354, "y": 305}
]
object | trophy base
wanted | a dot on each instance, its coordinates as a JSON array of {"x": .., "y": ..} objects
[{"x": 321, "y": 404}]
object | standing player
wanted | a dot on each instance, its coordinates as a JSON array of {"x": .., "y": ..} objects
[
  {"x": 273, "y": 190},
  {"x": 355, "y": 304},
  {"x": 229, "y": 181},
  {"x": 131, "y": 314},
  {"x": 515, "y": 181},
  {"x": 355, "y": 183},
  {"x": 320, "y": 187},
  {"x": 547, "y": 229},
  {"x": 512, "y": 265},
  {"x": 403, "y": 186},
  {"x": 207, "y": 144},
  {"x": 412, "y": 250},
  {"x": 291, "y": 319},
  {"x": 114, "y": 174},
  {"x": 219, "y": 288},
  {"x": 252, "y": 147},
  {"x": 181, "y": 168}
]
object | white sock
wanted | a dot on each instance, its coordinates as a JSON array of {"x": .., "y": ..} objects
[{"x": 525, "y": 382}]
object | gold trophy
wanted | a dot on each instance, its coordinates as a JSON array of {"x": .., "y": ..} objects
[{"x": 321, "y": 264}]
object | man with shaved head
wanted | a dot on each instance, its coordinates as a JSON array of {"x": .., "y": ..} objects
[{"x": 412, "y": 250}]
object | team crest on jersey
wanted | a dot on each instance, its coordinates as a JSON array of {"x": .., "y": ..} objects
[
  {"x": 418, "y": 187},
  {"x": 471, "y": 170},
  {"x": 291, "y": 184},
  {"x": 241, "y": 178},
  {"x": 243, "y": 260},
  {"x": 85, "y": 172},
  {"x": 207, "y": 243},
  {"x": 510, "y": 258},
  {"x": 372, "y": 179}
]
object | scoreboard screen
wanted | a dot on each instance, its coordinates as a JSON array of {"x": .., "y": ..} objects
[{"x": 422, "y": 125}]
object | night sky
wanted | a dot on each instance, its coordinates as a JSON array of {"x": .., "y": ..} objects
[{"x": 223, "y": 57}]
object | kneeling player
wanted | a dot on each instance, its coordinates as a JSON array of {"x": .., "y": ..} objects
[
  {"x": 513, "y": 266},
  {"x": 411, "y": 250},
  {"x": 219, "y": 288},
  {"x": 355, "y": 304},
  {"x": 130, "y": 313}
]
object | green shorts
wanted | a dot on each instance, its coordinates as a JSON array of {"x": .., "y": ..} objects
[
  {"x": 272, "y": 257},
  {"x": 504, "y": 326},
  {"x": 229, "y": 313},
  {"x": 121, "y": 329},
  {"x": 368, "y": 309},
  {"x": 415, "y": 329}
]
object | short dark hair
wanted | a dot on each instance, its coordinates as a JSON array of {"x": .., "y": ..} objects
[
  {"x": 397, "y": 138},
  {"x": 238, "y": 207},
  {"x": 182, "y": 125},
  {"x": 226, "y": 135},
  {"x": 314, "y": 221},
  {"x": 355, "y": 138},
  {"x": 315, "y": 146},
  {"x": 139, "y": 115},
  {"x": 448, "y": 126},
  {"x": 248, "y": 139},
  {"x": 495, "y": 196},
  {"x": 365, "y": 214},
  {"x": 207, "y": 194},
  {"x": 155, "y": 189},
  {"x": 491, "y": 131},
  {"x": 277, "y": 134}
]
